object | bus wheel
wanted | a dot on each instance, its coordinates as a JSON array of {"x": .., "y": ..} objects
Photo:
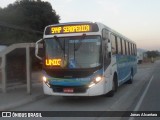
[
  {"x": 131, "y": 78},
  {"x": 114, "y": 87}
]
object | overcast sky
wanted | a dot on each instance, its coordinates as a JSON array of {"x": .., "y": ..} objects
[{"x": 138, "y": 20}]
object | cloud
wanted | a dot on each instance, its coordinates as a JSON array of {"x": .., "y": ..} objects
[{"x": 4, "y": 3}]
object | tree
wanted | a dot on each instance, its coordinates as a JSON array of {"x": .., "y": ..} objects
[
  {"x": 28, "y": 14},
  {"x": 153, "y": 54}
]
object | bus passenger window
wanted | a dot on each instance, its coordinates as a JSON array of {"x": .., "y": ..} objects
[
  {"x": 123, "y": 47},
  {"x": 127, "y": 53},
  {"x": 130, "y": 45},
  {"x": 119, "y": 45},
  {"x": 113, "y": 41},
  {"x": 135, "y": 49},
  {"x": 132, "y": 49},
  {"x": 128, "y": 49}
]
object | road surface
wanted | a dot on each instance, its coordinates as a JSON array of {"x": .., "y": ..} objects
[{"x": 142, "y": 95}]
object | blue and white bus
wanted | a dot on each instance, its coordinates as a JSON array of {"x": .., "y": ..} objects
[{"x": 85, "y": 59}]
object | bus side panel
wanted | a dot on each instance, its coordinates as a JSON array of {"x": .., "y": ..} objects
[{"x": 125, "y": 65}]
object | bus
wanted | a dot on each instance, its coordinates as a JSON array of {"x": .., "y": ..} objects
[{"x": 85, "y": 59}]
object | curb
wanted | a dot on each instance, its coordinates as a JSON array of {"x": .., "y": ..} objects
[{"x": 21, "y": 102}]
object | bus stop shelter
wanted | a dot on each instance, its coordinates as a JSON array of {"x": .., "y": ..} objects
[{"x": 13, "y": 56}]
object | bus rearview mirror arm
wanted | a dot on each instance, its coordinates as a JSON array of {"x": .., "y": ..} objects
[{"x": 109, "y": 46}]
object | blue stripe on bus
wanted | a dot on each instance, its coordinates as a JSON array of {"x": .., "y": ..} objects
[{"x": 73, "y": 81}]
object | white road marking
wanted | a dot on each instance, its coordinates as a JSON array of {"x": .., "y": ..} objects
[{"x": 142, "y": 97}]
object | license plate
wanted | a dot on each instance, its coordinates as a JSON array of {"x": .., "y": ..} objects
[{"x": 68, "y": 90}]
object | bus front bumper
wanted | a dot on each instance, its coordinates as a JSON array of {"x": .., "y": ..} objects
[{"x": 97, "y": 89}]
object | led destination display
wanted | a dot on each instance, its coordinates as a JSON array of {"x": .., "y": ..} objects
[{"x": 64, "y": 29}]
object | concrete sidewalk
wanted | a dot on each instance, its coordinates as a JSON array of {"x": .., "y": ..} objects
[{"x": 17, "y": 96}]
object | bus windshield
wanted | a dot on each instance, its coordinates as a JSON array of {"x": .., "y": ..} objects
[{"x": 73, "y": 52}]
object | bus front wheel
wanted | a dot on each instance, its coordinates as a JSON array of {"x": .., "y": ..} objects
[{"x": 114, "y": 87}]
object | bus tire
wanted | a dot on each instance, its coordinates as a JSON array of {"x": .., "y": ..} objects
[
  {"x": 131, "y": 78},
  {"x": 114, "y": 87}
]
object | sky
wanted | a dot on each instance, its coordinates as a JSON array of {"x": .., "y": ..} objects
[{"x": 139, "y": 20}]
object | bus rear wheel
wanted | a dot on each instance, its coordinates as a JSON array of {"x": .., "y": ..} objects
[{"x": 131, "y": 78}]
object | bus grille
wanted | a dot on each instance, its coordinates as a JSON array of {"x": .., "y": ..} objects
[{"x": 77, "y": 89}]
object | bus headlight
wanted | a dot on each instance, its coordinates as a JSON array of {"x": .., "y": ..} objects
[
  {"x": 45, "y": 80},
  {"x": 96, "y": 80}
]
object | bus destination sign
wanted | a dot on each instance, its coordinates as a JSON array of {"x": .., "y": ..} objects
[
  {"x": 70, "y": 29},
  {"x": 64, "y": 29}
]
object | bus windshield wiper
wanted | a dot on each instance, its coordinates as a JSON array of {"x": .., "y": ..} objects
[
  {"x": 80, "y": 43},
  {"x": 60, "y": 44}
]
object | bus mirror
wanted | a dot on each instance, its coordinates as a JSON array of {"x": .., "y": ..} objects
[
  {"x": 104, "y": 34},
  {"x": 37, "y": 49}
]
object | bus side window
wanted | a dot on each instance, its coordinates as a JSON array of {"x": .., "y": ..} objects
[
  {"x": 128, "y": 48},
  {"x": 119, "y": 45},
  {"x": 123, "y": 47},
  {"x": 132, "y": 49},
  {"x": 127, "y": 53},
  {"x": 113, "y": 42},
  {"x": 135, "y": 49}
]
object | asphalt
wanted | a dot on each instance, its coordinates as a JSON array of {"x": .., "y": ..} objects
[{"x": 17, "y": 96}]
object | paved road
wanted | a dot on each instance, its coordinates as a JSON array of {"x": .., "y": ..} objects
[
  {"x": 128, "y": 98},
  {"x": 150, "y": 99}
]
